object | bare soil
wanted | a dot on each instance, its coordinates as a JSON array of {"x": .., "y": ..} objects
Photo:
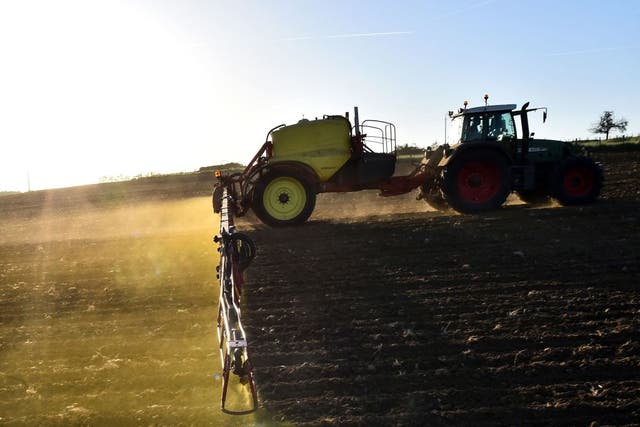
[
  {"x": 376, "y": 312},
  {"x": 384, "y": 312},
  {"x": 108, "y": 311}
]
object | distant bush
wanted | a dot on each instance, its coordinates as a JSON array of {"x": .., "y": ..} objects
[
  {"x": 8, "y": 193},
  {"x": 627, "y": 146},
  {"x": 407, "y": 149},
  {"x": 613, "y": 141},
  {"x": 621, "y": 143},
  {"x": 113, "y": 178},
  {"x": 224, "y": 167}
]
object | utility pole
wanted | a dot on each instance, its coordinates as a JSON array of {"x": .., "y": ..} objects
[{"x": 445, "y": 129}]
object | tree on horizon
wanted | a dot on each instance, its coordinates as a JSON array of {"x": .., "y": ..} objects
[{"x": 607, "y": 123}]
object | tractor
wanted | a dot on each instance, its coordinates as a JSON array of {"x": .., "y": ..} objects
[{"x": 487, "y": 163}]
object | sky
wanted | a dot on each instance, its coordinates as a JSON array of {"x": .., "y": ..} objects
[{"x": 92, "y": 90}]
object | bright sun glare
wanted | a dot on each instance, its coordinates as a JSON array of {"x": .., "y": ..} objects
[{"x": 90, "y": 88}]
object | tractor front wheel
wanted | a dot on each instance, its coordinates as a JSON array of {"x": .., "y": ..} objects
[
  {"x": 577, "y": 180},
  {"x": 476, "y": 181},
  {"x": 283, "y": 198}
]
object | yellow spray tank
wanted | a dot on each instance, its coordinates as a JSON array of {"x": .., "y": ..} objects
[{"x": 324, "y": 145}]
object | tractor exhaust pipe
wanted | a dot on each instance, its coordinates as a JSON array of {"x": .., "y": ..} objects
[
  {"x": 525, "y": 133},
  {"x": 356, "y": 120}
]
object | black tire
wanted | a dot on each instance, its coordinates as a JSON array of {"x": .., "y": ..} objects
[
  {"x": 274, "y": 192},
  {"x": 477, "y": 180},
  {"x": 577, "y": 180},
  {"x": 216, "y": 198},
  {"x": 534, "y": 197}
]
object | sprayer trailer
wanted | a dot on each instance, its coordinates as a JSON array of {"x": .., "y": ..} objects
[{"x": 488, "y": 162}]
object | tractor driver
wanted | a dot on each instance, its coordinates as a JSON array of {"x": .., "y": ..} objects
[
  {"x": 501, "y": 127},
  {"x": 473, "y": 129},
  {"x": 497, "y": 127}
]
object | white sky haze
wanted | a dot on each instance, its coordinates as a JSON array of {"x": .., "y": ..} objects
[{"x": 105, "y": 88}]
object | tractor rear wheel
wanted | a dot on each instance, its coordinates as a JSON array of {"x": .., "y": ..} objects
[
  {"x": 577, "y": 180},
  {"x": 282, "y": 198},
  {"x": 476, "y": 181}
]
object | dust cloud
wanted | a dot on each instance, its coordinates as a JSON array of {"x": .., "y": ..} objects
[
  {"x": 89, "y": 222},
  {"x": 108, "y": 314},
  {"x": 343, "y": 206}
]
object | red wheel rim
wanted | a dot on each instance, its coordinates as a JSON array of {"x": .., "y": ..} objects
[
  {"x": 479, "y": 181},
  {"x": 578, "y": 181}
]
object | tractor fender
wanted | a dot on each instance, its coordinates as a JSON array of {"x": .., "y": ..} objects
[
  {"x": 455, "y": 151},
  {"x": 297, "y": 168}
]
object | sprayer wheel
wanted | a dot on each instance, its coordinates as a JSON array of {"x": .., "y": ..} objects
[{"x": 282, "y": 198}]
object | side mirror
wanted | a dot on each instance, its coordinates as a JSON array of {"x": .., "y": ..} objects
[{"x": 544, "y": 116}]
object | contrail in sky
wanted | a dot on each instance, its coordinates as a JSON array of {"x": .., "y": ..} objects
[
  {"x": 593, "y": 50},
  {"x": 348, "y": 36},
  {"x": 471, "y": 6}
]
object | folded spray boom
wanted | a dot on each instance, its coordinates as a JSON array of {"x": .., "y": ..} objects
[{"x": 236, "y": 252}]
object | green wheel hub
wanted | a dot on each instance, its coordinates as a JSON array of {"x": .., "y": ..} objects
[{"x": 284, "y": 198}]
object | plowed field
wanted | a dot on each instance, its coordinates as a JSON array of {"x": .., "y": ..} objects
[
  {"x": 381, "y": 312},
  {"x": 376, "y": 312}
]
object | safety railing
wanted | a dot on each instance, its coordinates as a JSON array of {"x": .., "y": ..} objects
[{"x": 380, "y": 135}]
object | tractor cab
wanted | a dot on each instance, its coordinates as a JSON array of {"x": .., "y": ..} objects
[
  {"x": 489, "y": 123},
  {"x": 498, "y": 124}
]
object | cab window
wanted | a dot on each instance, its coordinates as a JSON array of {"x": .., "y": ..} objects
[
  {"x": 472, "y": 128},
  {"x": 500, "y": 127}
]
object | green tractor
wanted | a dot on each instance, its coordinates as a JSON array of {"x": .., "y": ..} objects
[
  {"x": 490, "y": 161},
  {"x": 299, "y": 161}
]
